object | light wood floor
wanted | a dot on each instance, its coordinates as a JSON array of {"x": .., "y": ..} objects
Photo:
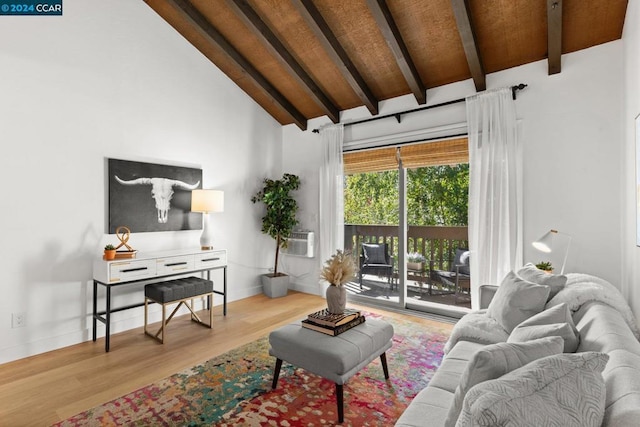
[{"x": 44, "y": 389}]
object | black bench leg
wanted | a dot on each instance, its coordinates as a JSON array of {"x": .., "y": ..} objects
[
  {"x": 276, "y": 373},
  {"x": 340, "y": 402},
  {"x": 383, "y": 359}
]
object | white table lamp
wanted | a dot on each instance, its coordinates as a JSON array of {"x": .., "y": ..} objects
[
  {"x": 545, "y": 244},
  {"x": 206, "y": 202}
]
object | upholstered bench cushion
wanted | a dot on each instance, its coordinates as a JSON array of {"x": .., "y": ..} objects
[
  {"x": 335, "y": 358},
  {"x": 177, "y": 289}
]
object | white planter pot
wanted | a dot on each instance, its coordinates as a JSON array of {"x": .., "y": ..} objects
[
  {"x": 414, "y": 266},
  {"x": 274, "y": 287}
]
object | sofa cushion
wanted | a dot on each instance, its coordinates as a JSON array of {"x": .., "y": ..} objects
[
  {"x": 431, "y": 403},
  {"x": 533, "y": 274},
  {"x": 516, "y": 300},
  {"x": 561, "y": 390},
  {"x": 622, "y": 379},
  {"x": 447, "y": 377},
  {"x": 603, "y": 328},
  {"x": 495, "y": 360},
  {"x": 554, "y": 321}
]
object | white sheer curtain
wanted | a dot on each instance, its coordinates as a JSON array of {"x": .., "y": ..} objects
[
  {"x": 495, "y": 188},
  {"x": 331, "y": 201}
]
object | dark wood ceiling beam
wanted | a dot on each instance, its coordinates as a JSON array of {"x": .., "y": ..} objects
[
  {"x": 213, "y": 36},
  {"x": 389, "y": 29},
  {"x": 261, "y": 30},
  {"x": 471, "y": 50},
  {"x": 554, "y": 35},
  {"x": 332, "y": 46}
]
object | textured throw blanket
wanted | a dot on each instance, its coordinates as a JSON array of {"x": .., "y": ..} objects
[
  {"x": 476, "y": 326},
  {"x": 580, "y": 289}
]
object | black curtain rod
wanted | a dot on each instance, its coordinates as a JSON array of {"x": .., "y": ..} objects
[{"x": 399, "y": 115}]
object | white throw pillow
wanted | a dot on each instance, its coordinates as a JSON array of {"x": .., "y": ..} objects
[
  {"x": 495, "y": 360},
  {"x": 517, "y": 300},
  {"x": 555, "y": 321},
  {"x": 533, "y": 274},
  {"x": 563, "y": 390}
]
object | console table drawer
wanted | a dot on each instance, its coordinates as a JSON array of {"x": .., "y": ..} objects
[
  {"x": 174, "y": 264},
  {"x": 211, "y": 260},
  {"x": 129, "y": 270}
]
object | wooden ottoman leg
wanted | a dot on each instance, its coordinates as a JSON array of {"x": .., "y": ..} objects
[
  {"x": 383, "y": 359},
  {"x": 276, "y": 373},
  {"x": 340, "y": 402}
]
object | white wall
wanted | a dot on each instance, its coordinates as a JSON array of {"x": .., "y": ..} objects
[
  {"x": 112, "y": 79},
  {"x": 572, "y": 136},
  {"x": 631, "y": 268}
]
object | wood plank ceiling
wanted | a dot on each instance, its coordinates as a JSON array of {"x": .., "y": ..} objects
[{"x": 302, "y": 59}]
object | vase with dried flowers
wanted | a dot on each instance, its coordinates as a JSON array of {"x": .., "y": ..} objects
[{"x": 338, "y": 270}]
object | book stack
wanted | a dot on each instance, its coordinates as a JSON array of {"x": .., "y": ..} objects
[{"x": 333, "y": 324}]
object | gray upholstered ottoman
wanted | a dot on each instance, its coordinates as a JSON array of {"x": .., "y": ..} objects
[{"x": 334, "y": 358}]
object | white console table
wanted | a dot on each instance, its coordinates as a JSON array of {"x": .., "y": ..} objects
[{"x": 148, "y": 268}]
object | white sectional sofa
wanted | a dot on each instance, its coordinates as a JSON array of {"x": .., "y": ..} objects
[{"x": 511, "y": 375}]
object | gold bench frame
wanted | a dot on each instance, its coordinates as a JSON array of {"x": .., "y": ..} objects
[{"x": 160, "y": 335}]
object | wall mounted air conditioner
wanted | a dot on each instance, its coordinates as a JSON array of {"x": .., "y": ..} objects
[{"x": 301, "y": 243}]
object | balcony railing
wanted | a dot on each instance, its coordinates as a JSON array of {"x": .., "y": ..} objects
[{"x": 437, "y": 244}]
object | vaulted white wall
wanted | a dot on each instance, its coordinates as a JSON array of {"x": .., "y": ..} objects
[
  {"x": 572, "y": 131},
  {"x": 112, "y": 79}
]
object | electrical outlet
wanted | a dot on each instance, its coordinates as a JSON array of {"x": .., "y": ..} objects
[{"x": 18, "y": 320}]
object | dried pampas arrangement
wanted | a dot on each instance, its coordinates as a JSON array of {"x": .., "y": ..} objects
[{"x": 339, "y": 269}]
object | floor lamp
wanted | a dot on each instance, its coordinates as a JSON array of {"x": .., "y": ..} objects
[
  {"x": 206, "y": 202},
  {"x": 545, "y": 244}
]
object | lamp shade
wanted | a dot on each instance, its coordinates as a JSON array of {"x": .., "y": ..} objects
[
  {"x": 207, "y": 201},
  {"x": 545, "y": 243}
]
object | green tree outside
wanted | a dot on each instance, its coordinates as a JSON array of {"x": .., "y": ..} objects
[{"x": 436, "y": 195}]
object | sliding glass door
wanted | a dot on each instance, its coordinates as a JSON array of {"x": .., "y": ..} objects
[{"x": 413, "y": 200}]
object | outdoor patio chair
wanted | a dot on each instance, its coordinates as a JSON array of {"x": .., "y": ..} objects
[
  {"x": 375, "y": 259},
  {"x": 458, "y": 278}
]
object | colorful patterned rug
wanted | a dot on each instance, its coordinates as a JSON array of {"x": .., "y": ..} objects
[{"x": 234, "y": 389}]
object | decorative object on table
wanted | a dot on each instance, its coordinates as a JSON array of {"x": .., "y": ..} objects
[
  {"x": 338, "y": 270},
  {"x": 326, "y": 318},
  {"x": 545, "y": 244},
  {"x": 109, "y": 252},
  {"x": 415, "y": 261},
  {"x": 278, "y": 222},
  {"x": 333, "y": 330},
  {"x": 545, "y": 266},
  {"x": 151, "y": 197},
  {"x": 123, "y": 233},
  {"x": 206, "y": 202}
]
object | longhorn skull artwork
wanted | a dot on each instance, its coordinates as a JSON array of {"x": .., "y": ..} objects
[{"x": 161, "y": 191}]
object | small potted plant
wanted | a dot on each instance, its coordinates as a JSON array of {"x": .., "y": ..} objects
[
  {"x": 415, "y": 261},
  {"x": 109, "y": 252},
  {"x": 338, "y": 270},
  {"x": 545, "y": 266}
]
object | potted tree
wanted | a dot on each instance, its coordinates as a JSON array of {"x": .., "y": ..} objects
[{"x": 278, "y": 222}]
